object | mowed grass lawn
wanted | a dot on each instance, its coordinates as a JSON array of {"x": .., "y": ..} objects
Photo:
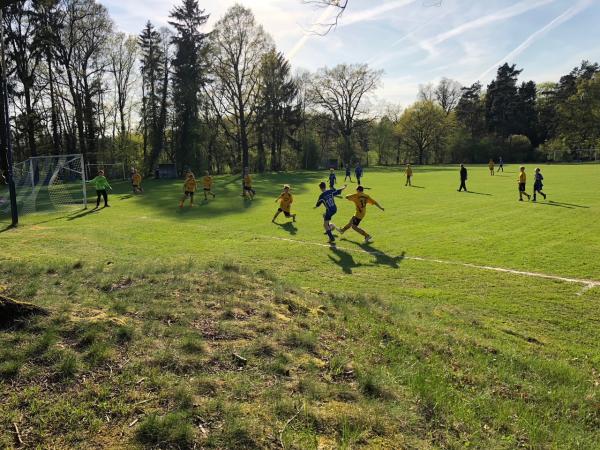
[{"x": 337, "y": 347}]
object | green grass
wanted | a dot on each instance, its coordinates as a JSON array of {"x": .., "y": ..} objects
[{"x": 344, "y": 349}]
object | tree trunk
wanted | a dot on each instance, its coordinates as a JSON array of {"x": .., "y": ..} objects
[
  {"x": 56, "y": 141},
  {"x": 30, "y": 120}
]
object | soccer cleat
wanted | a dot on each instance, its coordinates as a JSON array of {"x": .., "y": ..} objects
[
  {"x": 368, "y": 239},
  {"x": 520, "y": 199}
]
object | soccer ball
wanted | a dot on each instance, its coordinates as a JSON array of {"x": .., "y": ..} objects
[{"x": 332, "y": 226}]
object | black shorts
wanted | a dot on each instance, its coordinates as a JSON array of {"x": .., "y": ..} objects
[
  {"x": 285, "y": 213},
  {"x": 355, "y": 221},
  {"x": 248, "y": 188},
  {"x": 521, "y": 187},
  {"x": 189, "y": 194},
  {"x": 206, "y": 189}
]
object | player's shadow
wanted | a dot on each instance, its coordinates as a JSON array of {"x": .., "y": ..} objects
[
  {"x": 79, "y": 215},
  {"x": 344, "y": 259},
  {"x": 382, "y": 258},
  {"x": 478, "y": 193},
  {"x": 125, "y": 197},
  {"x": 555, "y": 204},
  {"x": 566, "y": 204},
  {"x": 418, "y": 187},
  {"x": 289, "y": 227}
]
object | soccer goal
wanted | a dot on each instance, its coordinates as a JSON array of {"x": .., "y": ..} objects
[
  {"x": 113, "y": 171},
  {"x": 578, "y": 155},
  {"x": 49, "y": 183}
]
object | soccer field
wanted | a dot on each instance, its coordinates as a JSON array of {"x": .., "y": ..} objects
[{"x": 471, "y": 320}]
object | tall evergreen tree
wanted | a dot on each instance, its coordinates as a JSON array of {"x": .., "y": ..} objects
[
  {"x": 470, "y": 111},
  {"x": 279, "y": 111},
  {"x": 502, "y": 102},
  {"x": 526, "y": 113},
  {"x": 190, "y": 66},
  {"x": 153, "y": 70}
]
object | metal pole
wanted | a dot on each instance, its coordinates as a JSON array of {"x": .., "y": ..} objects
[
  {"x": 32, "y": 175},
  {"x": 9, "y": 156},
  {"x": 83, "y": 181}
]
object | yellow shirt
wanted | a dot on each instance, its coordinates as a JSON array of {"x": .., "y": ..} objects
[
  {"x": 136, "y": 179},
  {"x": 491, "y": 164},
  {"x": 190, "y": 185},
  {"x": 285, "y": 201},
  {"x": 522, "y": 177},
  {"x": 207, "y": 182},
  {"x": 361, "y": 201},
  {"x": 409, "y": 171},
  {"x": 248, "y": 181}
]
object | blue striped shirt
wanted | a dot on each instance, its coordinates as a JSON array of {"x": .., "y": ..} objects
[{"x": 327, "y": 198}]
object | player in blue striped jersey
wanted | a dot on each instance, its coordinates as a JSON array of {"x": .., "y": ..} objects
[{"x": 327, "y": 199}]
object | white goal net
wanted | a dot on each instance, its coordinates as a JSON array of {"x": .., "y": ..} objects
[
  {"x": 47, "y": 183},
  {"x": 113, "y": 171}
]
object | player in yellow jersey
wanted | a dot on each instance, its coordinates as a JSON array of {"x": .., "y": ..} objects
[
  {"x": 360, "y": 200},
  {"x": 248, "y": 191},
  {"x": 285, "y": 204},
  {"x": 207, "y": 184},
  {"x": 522, "y": 183},
  {"x": 189, "y": 187},
  {"x": 491, "y": 167},
  {"x": 136, "y": 182}
]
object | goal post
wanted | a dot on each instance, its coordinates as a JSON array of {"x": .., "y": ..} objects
[{"x": 47, "y": 183}]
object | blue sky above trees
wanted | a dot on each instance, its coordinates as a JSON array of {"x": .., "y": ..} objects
[{"x": 414, "y": 44}]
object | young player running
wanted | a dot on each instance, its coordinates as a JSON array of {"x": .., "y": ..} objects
[
  {"x": 207, "y": 185},
  {"x": 409, "y": 174},
  {"x": 189, "y": 187},
  {"x": 361, "y": 200},
  {"x": 327, "y": 198},
  {"x": 332, "y": 178},
  {"x": 101, "y": 184},
  {"x": 491, "y": 167},
  {"x": 248, "y": 191},
  {"x": 348, "y": 174},
  {"x": 522, "y": 183},
  {"x": 285, "y": 203},
  {"x": 136, "y": 181},
  {"x": 358, "y": 172},
  {"x": 538, "y": 185}
]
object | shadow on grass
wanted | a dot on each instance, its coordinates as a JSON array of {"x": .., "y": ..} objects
[
  {"x": 553, "y": 204},
  {"x": 382, "y": 258},
  {"x": 125, "y": 197},
  {"x": 82, "y": 214},
  {"x": 418, "y": 187},
  {"x": 289, "y": 227},
  {"x": 567, "y": 204},
  {"x": 344, "y": 259},
  {"x": 478, "y": 193},
  {"x": 7, "y": 228}
]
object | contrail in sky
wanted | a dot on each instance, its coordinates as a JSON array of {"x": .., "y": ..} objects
[{"x": 557, "y": 21}]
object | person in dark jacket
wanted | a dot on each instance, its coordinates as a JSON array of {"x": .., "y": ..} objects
[{"x": 463, "y": 178}]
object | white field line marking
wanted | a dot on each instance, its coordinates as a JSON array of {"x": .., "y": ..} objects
[{"x": 587, "y": 284}]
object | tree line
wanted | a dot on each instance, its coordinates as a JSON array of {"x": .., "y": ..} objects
[{"x": 227, "y": 99}]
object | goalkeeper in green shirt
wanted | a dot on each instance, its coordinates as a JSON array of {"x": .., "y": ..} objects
[{"x": 101, "y": 184}]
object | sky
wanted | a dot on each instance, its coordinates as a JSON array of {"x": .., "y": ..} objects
[{"x": 412, "y": 42}]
